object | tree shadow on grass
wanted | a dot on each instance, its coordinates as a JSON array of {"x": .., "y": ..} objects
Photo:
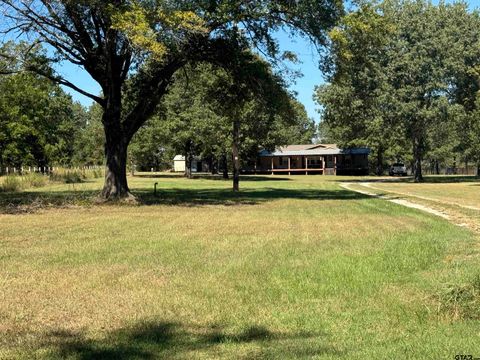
[
  {"x": 27, "y": 202},
  {"x": 438, "y": 179},
  {"x": 195, "y": 197},
  {"x": 212, "y": 177},
  {"x": 32, "y": 201},
  {"x": 153, "y": 340}
]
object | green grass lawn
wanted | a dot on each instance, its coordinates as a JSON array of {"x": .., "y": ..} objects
[{"x": 292, "y": 267}]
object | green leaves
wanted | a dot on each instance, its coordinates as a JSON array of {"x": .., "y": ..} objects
[
  {"x": 37, "y": 122},
  {"x": 154, "y": 30},
  {"x": 396, "y": 72}
]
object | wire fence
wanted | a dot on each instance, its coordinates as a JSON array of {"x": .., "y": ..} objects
[{"x": 46, "y": 170}]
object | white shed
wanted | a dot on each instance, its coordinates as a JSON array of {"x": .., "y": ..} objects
[{"x": 179, "y": 163}]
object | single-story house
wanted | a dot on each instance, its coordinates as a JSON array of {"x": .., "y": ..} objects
[
  {"x": 326, "y": 159},
  {"x": 198, "y": 164}
]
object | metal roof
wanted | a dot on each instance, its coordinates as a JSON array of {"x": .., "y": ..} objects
[{"x": 182, "y": 158}]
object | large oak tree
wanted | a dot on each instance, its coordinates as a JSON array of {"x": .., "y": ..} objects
[{"x": 149, "y": 40}]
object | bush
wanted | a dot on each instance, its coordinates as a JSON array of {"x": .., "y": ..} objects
[
  {"x": 34, "y": 180},
  {"x": 68, "y": 176},
  {"x": 12, "y": 183}
]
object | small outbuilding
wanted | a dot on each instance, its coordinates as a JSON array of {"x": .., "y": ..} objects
[
  {"x": 179, "y": 163},
  {"x": 198, "y": 164}
]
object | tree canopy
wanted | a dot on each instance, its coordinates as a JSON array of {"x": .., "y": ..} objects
[
  {"x": 38, "y": 120},
  {"x": 402, "y": 79}
]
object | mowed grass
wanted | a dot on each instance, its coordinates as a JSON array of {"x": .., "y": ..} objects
[
  {"x": 292, "y": 267},
  {"x": 461, "y": 190}
]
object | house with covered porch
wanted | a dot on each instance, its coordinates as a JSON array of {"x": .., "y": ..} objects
[{"x": 326, "y": 159}]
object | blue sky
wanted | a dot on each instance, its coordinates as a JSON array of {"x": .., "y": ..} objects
[{"x": 304, "y": 86}]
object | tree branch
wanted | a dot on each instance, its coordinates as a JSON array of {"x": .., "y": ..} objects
[{"x": 60, "y": 80}]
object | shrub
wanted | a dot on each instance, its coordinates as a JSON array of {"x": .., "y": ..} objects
[
  {"x": 68, "y": 176},
  {"x": 12, "y": 183},
  {"x": 34, "y": 180}
]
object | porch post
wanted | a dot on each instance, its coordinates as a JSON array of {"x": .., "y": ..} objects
[
  {"x": 289, "y": 173},
  {"x": 272, "y": 165},
  {"x": 306, "y": 165},
  {"x": 335, "y": 164},
  {"x": 323, "y": 165}
]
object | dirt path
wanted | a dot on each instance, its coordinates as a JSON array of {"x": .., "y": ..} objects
[
  {"x": 444, "y": 209},
  {"x": 402, "y": 202},
  {"x": 370, "y": 185}
]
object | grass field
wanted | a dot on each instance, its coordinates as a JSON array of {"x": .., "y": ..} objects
[
  {"x": 455, "y": 190},
  {"x": 292, "y": 267},
  {"x": 456, "y": 196}
]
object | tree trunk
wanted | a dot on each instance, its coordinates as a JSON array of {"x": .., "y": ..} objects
[
  {"x": 116, "y": 186},
  {"x": 188, "y": 159},
  {"x": 132, "y": 168},
  {"x": 478, "y": 169},
  {"x": 225, "y": 166},
  {"x": 212, "y": 161},
  {"x": 235, "y": 155},
  {"x": 116, "y": 143},
  {"x": 437, "y": 167},
  {"x": 379, "y": 170},
  {"x": 417, "y": 158}
]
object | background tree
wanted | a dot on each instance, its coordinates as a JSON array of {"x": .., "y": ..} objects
[
  {"x": 419, "y": 57},
  {"x": 38, "y": 120},
  {"x": 355, "y": 101},
  {"x": 401, "y": 79},
  {"x": 90, "y": 139},
  {"x": 110, "y": 38}
]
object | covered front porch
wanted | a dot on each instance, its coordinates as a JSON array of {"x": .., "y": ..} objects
[{"x": 313, "y": 164}]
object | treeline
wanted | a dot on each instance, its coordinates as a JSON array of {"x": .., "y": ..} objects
[
  {"x": 207, "y": 112},
  {"x": 403, "y": 78}
]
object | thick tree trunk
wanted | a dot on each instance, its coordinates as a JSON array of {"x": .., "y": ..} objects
[
  {"x": 235, "y": 155},
  {"x": 116, "y": 143},
  {"x": 417, "y": 160},
  {"x": 379, "y": 170},
  {"x": 225, "y": 166},
  {"x": 116, "y": 186}
]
